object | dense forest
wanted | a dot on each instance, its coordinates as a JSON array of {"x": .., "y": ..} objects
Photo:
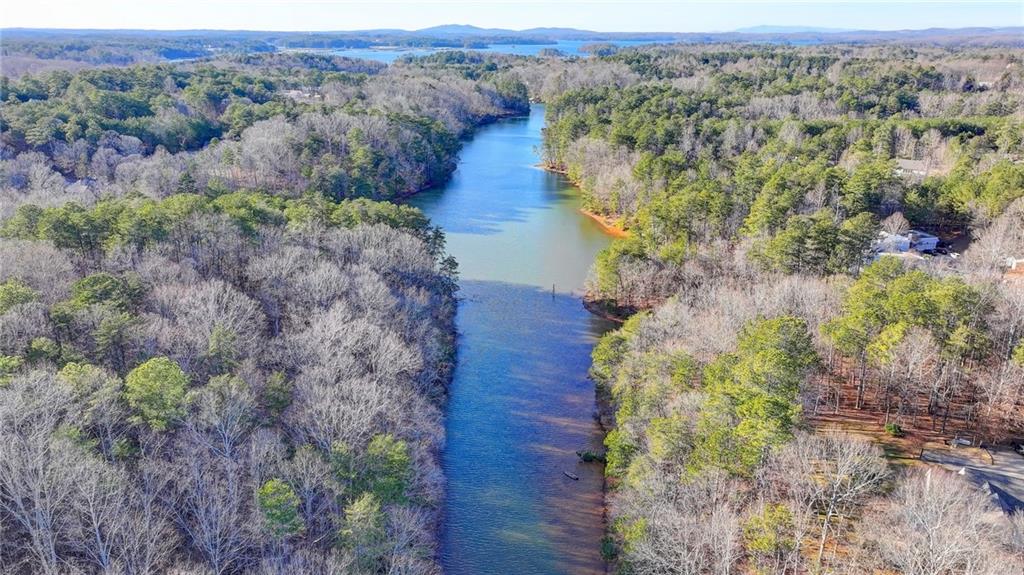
[
  {"x": 26, "y": 50},
  {"x": 794, "y": 156},
  {"x": 219, "y": 351},
  {"x": 297, "y": 124},
  {"x": 766, "y": 356},
  {"x": 224, "y": 349},
  {"x": 32, "y": 51}
]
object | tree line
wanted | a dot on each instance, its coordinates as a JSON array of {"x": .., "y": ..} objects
[
  {"x": 753, "y": 182},
  {"x": 716, "y": 463},
  {"x": 214, "y": 385},
  {"x": 218, "y": 351},
  {"x": 794, "y": 155},
  {"x": 296, "y": 123}
]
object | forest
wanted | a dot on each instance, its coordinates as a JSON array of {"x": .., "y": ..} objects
[
  {"x": 220, "y": 350},
  {"x": 770, "y": 351},
  {"x": 226, "y": 343},
  {"x": 27, "y": 50}
]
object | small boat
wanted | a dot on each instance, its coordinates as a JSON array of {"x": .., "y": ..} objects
[{"x": 571, "y": 476}]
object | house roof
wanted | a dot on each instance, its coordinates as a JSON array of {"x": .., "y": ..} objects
[
  {"x": 882, "y": 234},
  {"x": 1004, "y": 500}
]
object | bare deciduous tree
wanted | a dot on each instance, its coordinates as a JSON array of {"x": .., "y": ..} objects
[
  {"x": 937, "y": 524},
  {"x": 830, "y": 474}
]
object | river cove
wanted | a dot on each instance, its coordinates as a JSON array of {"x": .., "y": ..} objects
[{"x": 520, "y": 403}]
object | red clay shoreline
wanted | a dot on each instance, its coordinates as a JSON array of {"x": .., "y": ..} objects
[{"x": 609, "y": 225}]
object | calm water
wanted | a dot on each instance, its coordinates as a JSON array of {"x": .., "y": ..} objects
[
  {"x": 568, "y": 47},
  {"x": 520, "y": 403}
]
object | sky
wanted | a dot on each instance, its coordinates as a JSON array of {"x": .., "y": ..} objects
[{"x": 601, "y": 15}]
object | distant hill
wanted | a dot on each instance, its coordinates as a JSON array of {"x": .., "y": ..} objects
[
  {"x": 768, "y": 29},
  {"x": 469, "y": 31},
  {"x": 208, "y": 42},
  {"x": 465, "y": 30}
]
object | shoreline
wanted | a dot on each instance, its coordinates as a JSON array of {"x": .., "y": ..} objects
[
  {"x": 604, "y": 412},
  {"x": 594, "y": 500},
  {"x": 603, "y": 311},
  {"x": 608, "y": 225},
  {"x": 437, "y": 513},
  {"x": 404, "y": 197}
]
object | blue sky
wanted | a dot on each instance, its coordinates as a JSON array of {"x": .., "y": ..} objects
[{"x": 604, "y": 15}]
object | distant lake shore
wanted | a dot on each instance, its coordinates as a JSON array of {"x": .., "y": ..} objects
[{"x": 389, "y": 54}]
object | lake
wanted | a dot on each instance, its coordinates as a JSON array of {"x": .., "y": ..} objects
[{"x": 568, "y": 47}]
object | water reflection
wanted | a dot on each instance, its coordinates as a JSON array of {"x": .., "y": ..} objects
[
  {"x": 520, "y": 403},
  {"x": 566, "y": 47},
  {"x": 519, "y": 408},
  {"x": 481, "y": 197},
  {"x": 507, "y": 220}
]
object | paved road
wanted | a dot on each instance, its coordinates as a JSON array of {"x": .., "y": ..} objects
[{"x": 1005, "y": 474}]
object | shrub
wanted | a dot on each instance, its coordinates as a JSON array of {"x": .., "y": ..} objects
[
  {"x": 156, "y": 390},
  {"x": 894, "y": 430},
  {"x": 280, "y": 507}
]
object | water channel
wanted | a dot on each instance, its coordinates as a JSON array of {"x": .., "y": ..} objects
[{"x": 520, "y": 403}]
